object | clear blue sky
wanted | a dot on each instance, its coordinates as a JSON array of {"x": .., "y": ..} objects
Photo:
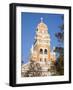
[{"x": 29, "y": 22}]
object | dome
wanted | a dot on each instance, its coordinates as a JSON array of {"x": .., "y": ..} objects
[{"x": 42, "y": 25}]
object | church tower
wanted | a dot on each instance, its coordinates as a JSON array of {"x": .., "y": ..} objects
[
  {"x": 40, "y": 51},
  {"x": 41, "y": 54}
]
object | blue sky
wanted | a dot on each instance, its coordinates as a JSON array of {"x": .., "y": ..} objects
[{"x": 29, "y": 22}]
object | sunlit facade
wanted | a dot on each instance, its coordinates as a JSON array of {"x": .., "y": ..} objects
[
  {"x": 41, "y": 54},
  {"x": 41, "y": 51}
]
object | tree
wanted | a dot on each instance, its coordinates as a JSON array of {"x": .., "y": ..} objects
[
  {"x": 60, "y": 49},
  {"x": 34, "y": 70},
  {"x": 60, "y": 34}
]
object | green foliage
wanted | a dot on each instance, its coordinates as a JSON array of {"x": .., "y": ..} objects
[
  {"x": 60, "y": 50},
  {"x": 60, "y": 34},
  {"x": 34, "y": 70}
]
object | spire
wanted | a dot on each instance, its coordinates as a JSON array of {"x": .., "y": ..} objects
[
  {"x": 41, "y": 19},
  {"x": 42, "y": 26}
]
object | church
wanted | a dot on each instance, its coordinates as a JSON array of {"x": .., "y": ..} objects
[{"x": 40, "y": 51}]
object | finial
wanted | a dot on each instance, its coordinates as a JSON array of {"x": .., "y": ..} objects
[{"x": 41, "y": 19}]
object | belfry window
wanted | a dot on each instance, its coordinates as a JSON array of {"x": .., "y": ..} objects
[
  {"x": 41, "y": 51},
  {"x": 40, "y": 59},
  {"x": 45, "y": 51}
]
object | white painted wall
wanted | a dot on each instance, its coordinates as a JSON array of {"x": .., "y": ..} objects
[{"x": 4, "y": 44}]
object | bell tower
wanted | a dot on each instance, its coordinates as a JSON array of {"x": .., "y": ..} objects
[
  {"x": 41, "y": 47},
  {"x": 42, "y": 58}
]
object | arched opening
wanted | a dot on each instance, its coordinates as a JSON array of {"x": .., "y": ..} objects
[
  {"x": 45, "y": 51},
  {"x": 40, "y": 59},
  {"x": 41, "y": 51}
]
